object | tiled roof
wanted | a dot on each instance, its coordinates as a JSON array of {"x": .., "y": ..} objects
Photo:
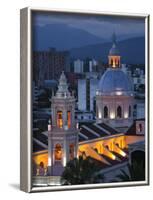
[
  {"x": 43, "y": 138},
  {"x": 88, "y": 131},
  {"x": 132, "y": 129},
  {"x": 81, "y": 138},
  {"x": 108, "y": 128},
  {"x": 39, "y": 141},
  {"x": 95, "y": 131},
  {"x": 37, "y": 147}
]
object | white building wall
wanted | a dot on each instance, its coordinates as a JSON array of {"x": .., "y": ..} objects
[
  {"x": 93, "y": 89},
  {"x": 112, "y": 102},
  {"x": 92, "y": 64},
  {"x": 78, "y": 66},
  {"x": 84, "y": 116},
  {"x": 82, "y": 94}
]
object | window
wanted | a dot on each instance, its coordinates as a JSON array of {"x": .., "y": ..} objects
[
  {"x": 119, "y": 112},
  {"x": 71, "y": 151},
  {"x": 105, "y": 112},
  {"x": 68, "y": 119},
  {"x": 60, "y": 119},
  {"x": 41, "y": 169},
  {"x": 96, "y": 150},
  {"x": 140, "y": 127},
  {"x": 111, "y": 61},
  {"x": 96, "y": 111},
  {"x": 129, "y": 111},
  {"x": 135, "y": 106},
  {"x": 117, "y": 144},
  {"x": 58, "y": 152},
  {"x": 107, "y": 147}
]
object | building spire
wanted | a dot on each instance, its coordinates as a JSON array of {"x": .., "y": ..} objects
[
  {"x": 63, "y": 87},
  {"x": 114, "y": 38}
]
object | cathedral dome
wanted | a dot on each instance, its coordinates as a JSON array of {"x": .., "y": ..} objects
[{"x": 115, "y": 81}]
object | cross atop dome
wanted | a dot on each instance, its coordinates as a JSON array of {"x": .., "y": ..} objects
[
  {"x": 62, "y": 87},
  {"x": 114, "y": 38},
  {"x": 114, "y": 50}
]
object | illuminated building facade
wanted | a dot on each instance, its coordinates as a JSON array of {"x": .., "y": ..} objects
[
  {"x": 114, "y": 98},
  {"x": 110, "y": 141},
  {"x": 62, "y": 135}
]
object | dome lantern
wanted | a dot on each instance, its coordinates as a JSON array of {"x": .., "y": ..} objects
[{"x": 114, "y": 54}]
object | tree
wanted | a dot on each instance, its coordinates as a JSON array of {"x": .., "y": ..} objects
[
  {"x": 81, "y": 171},
  {"x": 136, "y": 172}
]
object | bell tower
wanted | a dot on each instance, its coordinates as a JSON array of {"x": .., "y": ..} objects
[
  {"x": 114, "y": 58},
  {"x": 63, "y": 134}
]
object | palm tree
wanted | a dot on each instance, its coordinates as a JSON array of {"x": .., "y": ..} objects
[
  {"x": 136, "y": 172},
  {"x": 81, "y": 171}
]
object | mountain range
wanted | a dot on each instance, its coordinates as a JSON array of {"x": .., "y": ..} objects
[
  {"x": 82, "y": 44},
  {"x": 132, "y": 51},
  {"x": 62, "y": 37}
]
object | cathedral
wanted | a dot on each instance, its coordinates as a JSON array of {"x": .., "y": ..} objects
[{"x": 110, "y": 140}]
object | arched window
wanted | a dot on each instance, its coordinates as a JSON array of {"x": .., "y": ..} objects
[
  {"x": 140, "y": 127},
  {"x": 129, "y": 111},
  {"x": 96, "y": 150},
  {"x": 105, "y": 112},
  {"x": 60, "y": 119},
  {"x": 94, "y": 105},
  {"x": 41, "y": 169},
  {"x": 112, "y": 62},
  {"x": 107, "y": 147},
  {"x": 69, "y": 119},
  {"x": 96, "y": 111},
  {"x": 117, "y": 144},
  {"x": 71, "y": 151},
  {"x": 58, "y": 152},
  {"x": 119, "y": 112}
]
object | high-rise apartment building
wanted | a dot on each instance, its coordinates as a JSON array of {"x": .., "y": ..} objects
[{"x": 48, "y": 65}]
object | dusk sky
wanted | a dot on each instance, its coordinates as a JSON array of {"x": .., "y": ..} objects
[{"x": 101, "y": 26}]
